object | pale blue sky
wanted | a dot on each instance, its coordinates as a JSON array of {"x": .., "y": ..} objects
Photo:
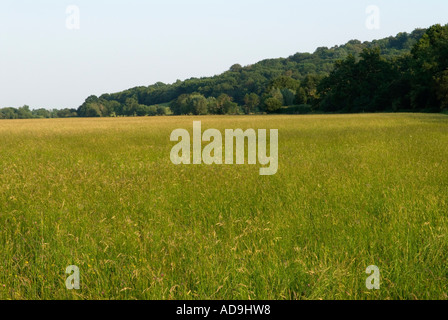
[{"x": 126, "y": 43}]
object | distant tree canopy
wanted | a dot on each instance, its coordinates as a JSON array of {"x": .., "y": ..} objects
[
  {"x": 415, "y": 81},
  {"x": 25, "y": 113},
  {"x": 408, "y": 72},
  {"x": 357, "y": 86}
]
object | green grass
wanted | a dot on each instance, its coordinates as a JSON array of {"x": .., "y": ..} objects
[{"x": 102, "y": 194}]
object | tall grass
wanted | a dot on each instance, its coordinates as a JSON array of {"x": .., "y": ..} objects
[{"x": 102, "y": 194}]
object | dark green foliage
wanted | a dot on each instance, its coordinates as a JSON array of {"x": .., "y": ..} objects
[
  {"x": 272, "y": 104},
  {"x": 357, "y": 86},
  {"x": 25, "y": 113},
  {"x": 430, "y": 65},
  {"x": 66, "y": 113},
  {"x": 251, "y": 103},
  {"x": 411, "y": 82},
  {"x": 284, "y": 82},
  {"x": 408, "y": 72},
  {"x": 162, "y": 111},
  {"x": 289, "y": 97},
  {"x": 442, "y": 89},
  {"x": 299, "y": 73},
  {"x": 301, "y": 96},
  {"x": 198, "y": 104}
]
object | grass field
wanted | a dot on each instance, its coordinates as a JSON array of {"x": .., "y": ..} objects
[{"x": 102, "y": 194}]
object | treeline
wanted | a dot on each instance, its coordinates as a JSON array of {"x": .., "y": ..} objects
[
  {"x": 101, "y": 107},
  {"x": 285, "y": 85},
  {"x": 415, "y": 81},
  {"x": 25, "y": 113},
  {"x": 408, "y": 72}
]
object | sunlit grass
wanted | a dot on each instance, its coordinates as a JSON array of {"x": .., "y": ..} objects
[{"x": 102, "y": 194}]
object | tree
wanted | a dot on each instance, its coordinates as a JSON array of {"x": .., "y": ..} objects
[
  {"x": 309, "y": 84},
  {"x": 358, "y": 86},
  {"x": 289, "y": 97},
  {"x": 8, "y": 113},
  {"x": 212, "y": 105},
  {"x": 24, "y": 112},
  {"x": 41, "y": 113},
  {"x": 284, "y": 82},
  {"x": 272, "y": 104},
  {"x": 430, "y": 62},
  {"x": 251, "y": 102},
  {"x": 66, "y": 113},
  {"x": 114, "y": 107},
  {"x": 442, "y": 90},
  {"x": 301, "y": 97},
  {"x": 236, "y": 68},
  {"x": 151, "y": 111},
  {"x": 224, "y": 103},
  {"x": 162, "y": 111},
  {"x": 89, "y": 110},
  {"x": 93, "y": 107},
  {"x": 230, "y": 107},
  {"x": 273, "y": 100},
  {"x": 198, "y": 104},
  {"x": 180, "y": 105}
]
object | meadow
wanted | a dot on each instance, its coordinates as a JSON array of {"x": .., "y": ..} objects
[{"x": 351, "y": 191}]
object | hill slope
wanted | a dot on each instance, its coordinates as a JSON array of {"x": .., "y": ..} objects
[{"x": 239, "y": 81}]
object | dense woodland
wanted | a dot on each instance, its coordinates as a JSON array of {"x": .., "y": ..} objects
[{"x": 408, "y": 72}]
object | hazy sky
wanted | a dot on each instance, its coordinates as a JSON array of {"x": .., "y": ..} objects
[{"x": 127, "y": 43}]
